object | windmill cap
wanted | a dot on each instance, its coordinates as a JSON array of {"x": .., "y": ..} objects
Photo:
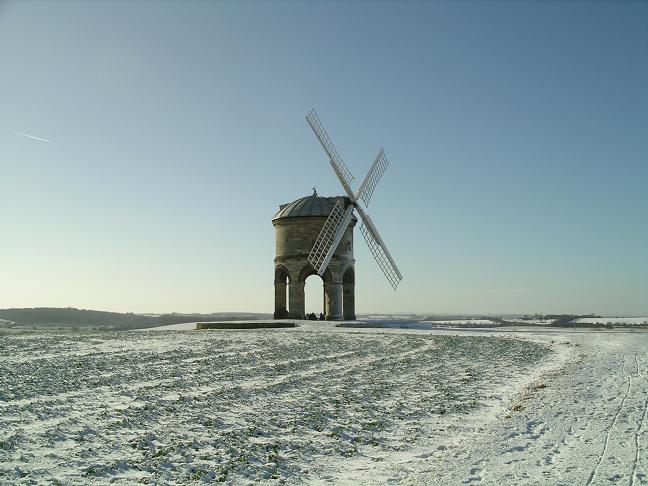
[{"x": 310, "y": 206}]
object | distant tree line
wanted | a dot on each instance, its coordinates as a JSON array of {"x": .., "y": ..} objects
[
  {"x": 566, "y": 319},
  {"x": 69, "y": 316}
]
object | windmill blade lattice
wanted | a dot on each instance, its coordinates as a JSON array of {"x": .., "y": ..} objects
[
  {"x": 337, "y": 222},
  {"x": 382, "y": 257},
  {"x": 340, "y": 168},
  {"x": 329, "y": 238},
  {"x": 373, "y": 176}
]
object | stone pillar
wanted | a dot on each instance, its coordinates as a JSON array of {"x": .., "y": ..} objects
[
  {"x": 325, "y": 307},
  {"x": 334, "y": 292},
  {"x": 349, "y": 301},
  {"x": 280, "y": 301},
  {"x": 296, "y": 300}
]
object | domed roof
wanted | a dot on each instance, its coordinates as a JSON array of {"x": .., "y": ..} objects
[{"x": 310, "y": 206}]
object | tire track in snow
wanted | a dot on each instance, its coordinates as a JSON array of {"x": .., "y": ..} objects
[
  {"x": 638, "y": 432},
  {"x": 614, "y": 419}
]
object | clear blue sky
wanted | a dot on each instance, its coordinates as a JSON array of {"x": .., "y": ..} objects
[{"x": 516, "y": 132}]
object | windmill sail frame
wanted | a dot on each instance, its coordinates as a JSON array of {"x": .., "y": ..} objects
[
  {"x": 373, "y": 176},
  {"x": 338, "y": 220},
  {"x": 329, "y": 238}
]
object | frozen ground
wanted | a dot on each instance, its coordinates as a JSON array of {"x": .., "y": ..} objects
[
  {"x": 615, "y": 321},
  {"x": 435, "y": 324},
  {"x": 319, "y": 404},
  {"x": 531, "y": 322}
]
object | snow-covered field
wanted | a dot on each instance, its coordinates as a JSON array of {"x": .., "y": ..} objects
[
  {"x": 405, "y": 324},
  {"x": 323, "y": 404},
  {"x": 531, "y": 322},
  {"x": 421, "y": 322},
  {"x": 615, "y": 321},
  {"x": 464, "y": 322}
]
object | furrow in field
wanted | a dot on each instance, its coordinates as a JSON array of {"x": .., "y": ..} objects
[{"x": 240, "y": 407}]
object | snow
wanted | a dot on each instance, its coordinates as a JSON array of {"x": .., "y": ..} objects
[
  {"x": 185, "y": 326},
  {"x": 390, "y": 324},
  {"x": 587, "y": 425},
  {"x": 616, "y": 321},
  {"x": 324, "y": 404},
  {"x": 531, "y": 322},
  {"x": 465, "y": 322}
]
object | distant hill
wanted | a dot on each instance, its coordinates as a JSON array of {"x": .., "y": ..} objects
[{"x": 71, "y": 317}]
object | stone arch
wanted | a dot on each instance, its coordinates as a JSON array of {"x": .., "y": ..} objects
[
  {"x": 327, "y": 279},
  {"x": 308, "y": 270},
  {"x": 282, "y": 274},
  {"x": 348, "y": 293},
  {"x": 281, "y": 280}
]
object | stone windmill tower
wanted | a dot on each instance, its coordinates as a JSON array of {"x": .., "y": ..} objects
[
  {"x": 297, "y": 226},
  {"x": 314, "y": 235}
]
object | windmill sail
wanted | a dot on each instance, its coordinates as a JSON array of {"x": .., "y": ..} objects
[
  {"x": 340, "y": 168},
  {"x": 337, "y": 222},
  {"x": 373, "y": 176},
  {"x": 379, "y": 250},
  {"x": 329, "y": 237}
]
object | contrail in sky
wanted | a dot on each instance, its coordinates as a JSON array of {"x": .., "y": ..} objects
[{"x": 31, "y": 136}]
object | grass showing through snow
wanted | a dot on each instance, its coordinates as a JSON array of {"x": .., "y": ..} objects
[{"x": 232, "y": 405}]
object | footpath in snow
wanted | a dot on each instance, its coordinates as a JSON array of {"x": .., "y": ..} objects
[{"x": 585, "y": 423}]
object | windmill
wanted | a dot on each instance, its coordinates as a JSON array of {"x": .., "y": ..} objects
[{"x": 337, "y": 222}]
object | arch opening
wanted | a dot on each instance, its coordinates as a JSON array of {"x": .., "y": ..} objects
[
  {"x": 314, "y": 297},
  {"x": 281, "y": 280}
]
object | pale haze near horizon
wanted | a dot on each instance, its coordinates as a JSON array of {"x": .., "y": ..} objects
[{"x": 171, "y": 132}]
